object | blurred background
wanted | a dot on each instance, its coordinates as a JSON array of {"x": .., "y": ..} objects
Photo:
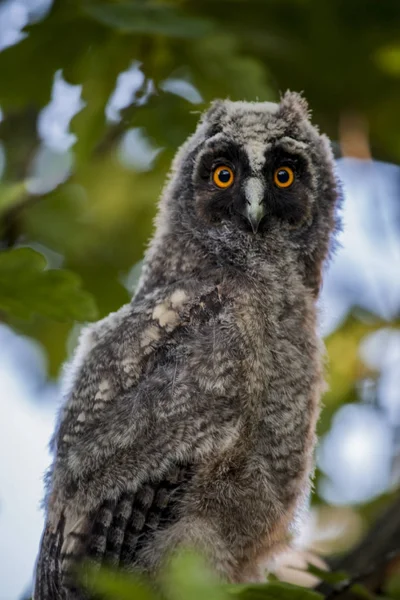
[{"x": 95, "y": 98}]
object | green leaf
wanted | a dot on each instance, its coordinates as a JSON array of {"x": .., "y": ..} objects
[
  {"x": 149, "y": 18},
  {"x": 114, "y": 585},
  {"x": 388, "y": 59},
  {"x": 187, "y": 576},
  {"x": 27, "y": 287},
  {"x": 345, "y": 365},
  {"x": 392, "y": 587},
  {"x": 47, "y": 44},
  {"x": 360, "y": 591},
  {"x": 332, "y": 577},
  {"x": 11, "y": 195},
  {"x": 273, "y": 591}
]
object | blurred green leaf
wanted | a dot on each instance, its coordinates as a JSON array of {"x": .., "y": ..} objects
[
  {"x": 332, "y": 577},
  {"x": 52, "y": 336},
  {"x": 273, "y": 591},
  {"x": 360, "y": 591},
  {"x": 112, "y": 585},
  {"x": 225, "y": 68},
  {"x": 388, "y": 59},
  {"x": 187, "y": 576},
  {"x": 11, "y": 195},
  {"x": 27, "y": 68},
  {"x": 392, "y": 586},
  {"x": 150, "y": 18},
  {"x": 345, "y": 365},
  {"x": 26, "y": 287}
]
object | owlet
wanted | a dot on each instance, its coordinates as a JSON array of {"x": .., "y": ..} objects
[{"x": 190, "y": 414}]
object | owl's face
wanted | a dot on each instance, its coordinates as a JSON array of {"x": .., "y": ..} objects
[
  {"x": 256, "y": 172},
  {"x": 255, "y": 182},
  {"x": 257, "y": 167}
]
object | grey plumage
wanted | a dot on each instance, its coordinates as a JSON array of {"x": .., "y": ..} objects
[{"x": 190, "y": 413}]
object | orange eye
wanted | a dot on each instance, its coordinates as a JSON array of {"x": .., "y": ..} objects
[
  {"x": 223, "y": 176},
  {"x": 283, "y": 177}
]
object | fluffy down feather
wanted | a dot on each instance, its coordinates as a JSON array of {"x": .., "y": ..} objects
[{"x": 190, "y": 414}]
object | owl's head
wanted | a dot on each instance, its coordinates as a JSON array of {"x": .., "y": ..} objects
[{"x": 256, "y": 177}]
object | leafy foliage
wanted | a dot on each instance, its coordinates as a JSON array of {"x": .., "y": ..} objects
[
  {"x": 188, "y": 577},
  {"x": 26, "y": 287},
  {"x": 273, "y": 591},
  {"x": 149, "y": 18},
  {"x": 392, "y": 588},
  {"x": 336, "y": 577}
]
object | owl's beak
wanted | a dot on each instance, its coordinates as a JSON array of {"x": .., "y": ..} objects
[{"x": 255, "y": 209}]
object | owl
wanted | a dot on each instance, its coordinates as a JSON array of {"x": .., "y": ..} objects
[{"x": 190, "y": 413}]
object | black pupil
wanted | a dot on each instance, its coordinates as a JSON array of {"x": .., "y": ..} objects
[
  {"x": 224, "y": 176},
  {"x": 283, "y": 176}
]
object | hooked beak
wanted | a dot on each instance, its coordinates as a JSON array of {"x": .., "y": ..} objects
[{"x": 255, "y": 209}]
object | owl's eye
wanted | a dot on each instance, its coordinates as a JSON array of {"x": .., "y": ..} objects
[
  {"x": 283, "y": 177},
  {"x": 223, "y": 176}
]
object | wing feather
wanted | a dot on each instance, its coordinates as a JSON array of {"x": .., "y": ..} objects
[
  {"x": 114, "y": 535},
  {"x": 145, "y": 398}
]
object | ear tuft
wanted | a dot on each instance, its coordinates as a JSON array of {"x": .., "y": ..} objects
[
  {"x": 215, "y": 112},
  {"x": 294, "y": 106}
]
